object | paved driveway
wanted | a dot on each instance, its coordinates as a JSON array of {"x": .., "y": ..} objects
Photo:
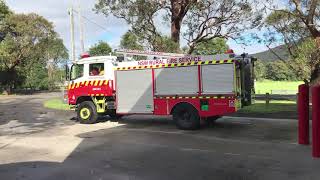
[{"x": 37, "y": 143}]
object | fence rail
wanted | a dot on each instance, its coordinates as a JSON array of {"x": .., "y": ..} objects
[
  {"x": 278, "y": 91},
  {"x": 291, "y": 97}
]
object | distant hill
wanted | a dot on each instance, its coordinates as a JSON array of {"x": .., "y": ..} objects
[{"x": 268, "y": 55}]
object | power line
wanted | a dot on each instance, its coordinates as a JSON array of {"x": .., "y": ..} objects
[{"x": 92, "y": 21}]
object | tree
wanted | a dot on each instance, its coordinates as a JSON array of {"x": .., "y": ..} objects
[
  {"x": 130, "y": 41},
  {"x": 100, "y": 49},
  {"x": 301, "y": 63},
  {"x": 204, "y": 20},
  {"x": 28, "y": 40},
  {"x": 259, "y": 70},
  {"x": 210, "y": 47},
  {"x": 297, "y": 21},
  {"x": 4, "y": 10},
  {"x": 165, "y": 44},
  {"x": 279, "y": 71},
  {"x": 36, "y": 76}
]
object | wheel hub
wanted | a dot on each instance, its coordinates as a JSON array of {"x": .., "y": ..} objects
[
  {"x": 85, "y": 113},
  {"x": 186, "y": 116}
]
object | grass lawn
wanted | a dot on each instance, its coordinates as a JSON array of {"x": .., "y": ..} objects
[
  {"x": 263, "y": 87},
  {"x": 56, "y": 104},
  {"x": 275, "y": 106}
]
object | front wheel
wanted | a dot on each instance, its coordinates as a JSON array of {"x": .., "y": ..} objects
[
  {"x": 87, "y": 113},
  {"x": 186, "y": 117}
]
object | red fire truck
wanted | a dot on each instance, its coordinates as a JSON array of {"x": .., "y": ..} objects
[{"x": 190, "y": 88}]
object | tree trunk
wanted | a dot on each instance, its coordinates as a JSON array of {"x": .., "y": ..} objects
[
  {"x": 175, "y": 30},
  {"x": 315, "y": 74},
  {"x": 178, "y": 11},
  {"x": 191, "y": 49}
]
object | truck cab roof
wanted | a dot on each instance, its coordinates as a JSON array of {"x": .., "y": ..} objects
[{"x": 95, "y": 59}]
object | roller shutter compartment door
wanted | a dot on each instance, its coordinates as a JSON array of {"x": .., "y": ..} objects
[
  {"x": 177, "y": 81},
  {"x": 134, "y": 91},
  {"x": 218, "y": 79}
]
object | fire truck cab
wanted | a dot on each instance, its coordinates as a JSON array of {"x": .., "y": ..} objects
[{"x": 191, "y": 88}]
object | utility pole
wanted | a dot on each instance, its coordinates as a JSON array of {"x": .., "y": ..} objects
[
  {"x": 81, "y": 28},
  {"x": 73, "y": 50}
]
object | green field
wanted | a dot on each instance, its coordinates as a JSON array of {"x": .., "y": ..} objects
[
  {"x": 277, "y": 87},
  {"x": 275, "y": 106},
  {"x": 56, "y": 104}
]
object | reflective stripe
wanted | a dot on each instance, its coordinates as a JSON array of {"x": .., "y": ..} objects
[
  {"x": 72, "y": 87},
  {"x": 227, "y": 61},
  {"x": 195, "y": 97}
]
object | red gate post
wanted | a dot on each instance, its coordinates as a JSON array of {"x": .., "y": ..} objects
[
  {"x": 303, "y": 114},
  {"x": 316, "y": 121}
]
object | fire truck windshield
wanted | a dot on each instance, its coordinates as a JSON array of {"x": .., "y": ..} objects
[{"x": 76, "y": 71}]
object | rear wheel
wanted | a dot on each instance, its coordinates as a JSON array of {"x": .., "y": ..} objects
[
  {"x": 186, "y": 117},
  {"x": 87, "y": 113}
]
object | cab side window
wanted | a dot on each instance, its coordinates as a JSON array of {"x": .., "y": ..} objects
[
  {"x": 96, "y": 69},
  {"x": 76, "y": 71}
]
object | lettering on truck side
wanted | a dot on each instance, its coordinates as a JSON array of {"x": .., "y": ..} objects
[{"x": 186, "y": 59}]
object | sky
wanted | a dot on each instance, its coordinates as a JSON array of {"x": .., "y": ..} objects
[{"x": 111, "y": 31}]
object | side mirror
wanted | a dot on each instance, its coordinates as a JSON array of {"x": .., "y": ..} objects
[{"x": 67, "y": 73}]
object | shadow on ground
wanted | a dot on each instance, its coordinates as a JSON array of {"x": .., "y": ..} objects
[
  {"x": 27, "y": 115},
  {"x": 152, "y": 148}
]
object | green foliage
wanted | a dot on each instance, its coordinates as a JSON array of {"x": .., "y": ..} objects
[
  {"x": 4, "y": 10},
  {"x": 203, "y": 20},
  {"x": 165, "y": 44},
  {"x": 28, "y": 43},
  {"x": 279, "y": 71},
  {"x": 100, "y": 49},
  {"x": 130, "y": 41},
  {"x": 259, "y": 70},
  {"x": 36, "y": 77},
  {"x": 210, "y": 47},
  {"x": 303, "y": 63},
  {"x": 296, "y": 23}
]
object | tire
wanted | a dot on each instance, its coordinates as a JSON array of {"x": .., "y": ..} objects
[
  {"x": 87, "y": 113},
  {"x": 186, "y": 117}
]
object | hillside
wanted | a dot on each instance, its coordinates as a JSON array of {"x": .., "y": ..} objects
[{"x": 268, "y": 55}]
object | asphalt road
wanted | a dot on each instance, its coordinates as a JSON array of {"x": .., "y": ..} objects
[{"x": 38, "y": 143}]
